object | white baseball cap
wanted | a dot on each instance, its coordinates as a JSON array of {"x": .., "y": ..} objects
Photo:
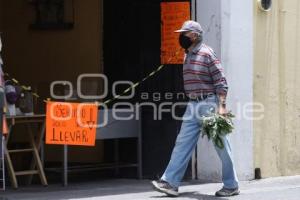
[{"x": 190, "y": 26}]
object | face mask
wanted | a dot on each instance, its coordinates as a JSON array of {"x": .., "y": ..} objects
[{"x": 184, "y": 41}]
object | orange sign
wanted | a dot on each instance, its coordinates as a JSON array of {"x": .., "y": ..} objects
[
  {"x": 71, "y": 123},
  {"x": 173, "y": 14}
]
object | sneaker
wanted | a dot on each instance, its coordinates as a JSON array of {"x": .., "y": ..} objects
[
  {"x": 164, "y": 187},
  {"x": 224, "y": 192}
]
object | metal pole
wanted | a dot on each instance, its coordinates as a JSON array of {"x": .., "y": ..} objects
[
  {"x": 1, "y": 136},
  {"x": 65, "y": 166}
]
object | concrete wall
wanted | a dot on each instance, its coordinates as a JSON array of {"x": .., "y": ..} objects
[
  {"x": 37, "y": 58},
  {"x": 209, "y": 15},
  {"x": 229, "y": 28},
  {"x": 276, "y": 86},
  {"x": 52, "y": 55}
]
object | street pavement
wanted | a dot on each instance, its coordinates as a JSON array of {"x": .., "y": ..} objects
[{"x": 279, "y": 188}]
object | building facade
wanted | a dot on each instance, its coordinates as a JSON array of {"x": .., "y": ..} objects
[{"x": 260, "y": 52}]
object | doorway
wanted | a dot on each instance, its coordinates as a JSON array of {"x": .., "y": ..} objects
[{"x": 132, "y": 37}]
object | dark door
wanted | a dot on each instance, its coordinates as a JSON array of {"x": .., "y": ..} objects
[{"x": 131, "y": 51}]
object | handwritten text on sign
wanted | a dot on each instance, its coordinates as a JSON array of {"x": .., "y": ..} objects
[
  {"x": 173, "y": 14},
  {"x": 71, "y": 123}
]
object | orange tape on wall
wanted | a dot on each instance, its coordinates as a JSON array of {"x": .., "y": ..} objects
[
  {"x": 71, "y": 123},
  {"x": 173, "y": 14}
]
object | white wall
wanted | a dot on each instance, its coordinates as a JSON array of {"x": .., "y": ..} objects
[{"x": 229, "y": 30}]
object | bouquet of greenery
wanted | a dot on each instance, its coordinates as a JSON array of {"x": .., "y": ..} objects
[{"x": 216, "y": 125}]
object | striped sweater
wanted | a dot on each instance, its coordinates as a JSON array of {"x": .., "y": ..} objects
[{"x": 203, "y": 72}]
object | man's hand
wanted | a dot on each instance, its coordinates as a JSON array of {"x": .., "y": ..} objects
[
  {"x": 222, "y": 110},
  {"x": 222, "y": 104}
]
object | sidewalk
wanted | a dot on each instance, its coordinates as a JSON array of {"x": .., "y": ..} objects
[{"x": 280, "y": 188}]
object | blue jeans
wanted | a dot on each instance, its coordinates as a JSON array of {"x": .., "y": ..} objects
[{"x": 187, "y": 140}]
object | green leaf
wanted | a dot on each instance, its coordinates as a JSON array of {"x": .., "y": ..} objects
[
  {"x": 219, "y": 142},
  {"x": 215, "y": 126}
]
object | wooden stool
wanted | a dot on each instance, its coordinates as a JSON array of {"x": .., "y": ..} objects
[{"x": 36, "y": 166}]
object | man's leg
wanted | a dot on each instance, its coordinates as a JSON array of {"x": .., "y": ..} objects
[
  {"x": 184, "y": 146},
  {"x": 229, "y": 176}
]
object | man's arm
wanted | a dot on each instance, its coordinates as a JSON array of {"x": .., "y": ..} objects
[{"x": 220, "y": 83}]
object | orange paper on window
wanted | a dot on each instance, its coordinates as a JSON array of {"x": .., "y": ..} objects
[
  {"x": 173, "y": 14},
  {"x": 71, "y": 123}
]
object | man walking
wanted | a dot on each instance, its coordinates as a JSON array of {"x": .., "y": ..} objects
[{"x": 206, "y": 86}]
